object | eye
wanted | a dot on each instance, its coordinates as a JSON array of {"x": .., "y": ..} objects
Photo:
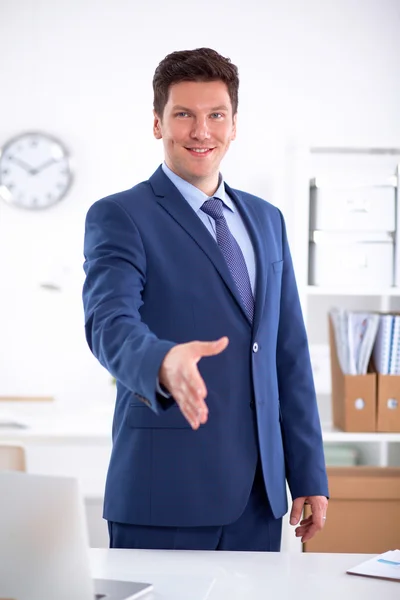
[
  {"x": 182, "y": 114},
  {"x": 216, "y": 115}
]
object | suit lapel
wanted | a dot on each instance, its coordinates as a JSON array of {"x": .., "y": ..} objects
[
  {"x": 173, "y": 202},
  {"x": 250, "y": 218}
]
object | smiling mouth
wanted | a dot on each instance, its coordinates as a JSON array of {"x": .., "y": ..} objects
[{"x": 200, "y": 152}]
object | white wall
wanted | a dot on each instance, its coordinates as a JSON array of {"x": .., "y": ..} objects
[{"x": 316, "y": 72}]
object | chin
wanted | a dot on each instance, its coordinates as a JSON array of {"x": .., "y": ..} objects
[
  {"x": 201, "y": 176},
  {"x": 201, "y": 172}
]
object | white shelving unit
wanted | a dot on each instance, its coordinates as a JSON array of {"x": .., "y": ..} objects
[
  {"x": 373, "y": 165},
  {"x": 376, "y": 449}
]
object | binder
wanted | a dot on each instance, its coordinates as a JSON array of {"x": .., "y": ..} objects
[
  {"x": 394, "y": 368},
  {"x": 383, "y": 344},
  {"x": 388, "y": 384}
]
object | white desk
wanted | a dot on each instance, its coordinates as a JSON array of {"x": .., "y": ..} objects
[
  {"x": 189, "y": 575},
  {"x": 78, "y": 444}
]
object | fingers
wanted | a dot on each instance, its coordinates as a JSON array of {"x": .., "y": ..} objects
[
  {"x": 316, "y": 521},
  {"x": 191, "y": 396},
  {"x": 191, "y": 400},
  {"x": 307, "y": 532},
  {"x": 297, "y": 509},
  {"x": 194, "y": 385},
  {"x": 306, "y": 521},
  {"x": 191, "y": 414},
  {"x": 180, "y": 376},
  {"x": 210, "y": 348},
  {"x": 319, "y": 505}
]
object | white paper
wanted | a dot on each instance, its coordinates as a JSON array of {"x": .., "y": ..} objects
[{"x": 386, "y": 566}]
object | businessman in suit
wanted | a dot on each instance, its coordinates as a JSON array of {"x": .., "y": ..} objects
[{"x": 191, "y": 304}]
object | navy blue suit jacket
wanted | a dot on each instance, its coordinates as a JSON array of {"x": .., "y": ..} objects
[{"x": 155, "y": 277}]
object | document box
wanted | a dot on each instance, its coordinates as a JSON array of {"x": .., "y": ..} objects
[
  {"x": 369, "y": 208},
  {"x": 349, "y": 260}
]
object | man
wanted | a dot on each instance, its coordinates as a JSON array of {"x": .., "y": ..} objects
[{"x": 191, "y": 304}]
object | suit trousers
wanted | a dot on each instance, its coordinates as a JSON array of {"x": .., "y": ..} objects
[{"x": 256, "y": 530}]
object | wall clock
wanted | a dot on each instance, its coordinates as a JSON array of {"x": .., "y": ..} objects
[{"x": 35, "y": 171}]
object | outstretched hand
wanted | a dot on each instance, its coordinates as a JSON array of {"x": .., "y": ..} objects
[{"x": 180, "y": 376}]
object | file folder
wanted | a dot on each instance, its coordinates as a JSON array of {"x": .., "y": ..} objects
[{"x": 353, "y": 396}]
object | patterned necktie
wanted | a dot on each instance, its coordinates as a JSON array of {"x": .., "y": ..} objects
[{"x": 231, "y": 252}]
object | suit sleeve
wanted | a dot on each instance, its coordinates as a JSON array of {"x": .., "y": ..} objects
[
  {"x": 301, "y": 429},
  {"x": 115, "y": 267}
]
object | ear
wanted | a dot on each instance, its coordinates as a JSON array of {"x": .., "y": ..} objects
[
  {"x": 157, "y": 126},
  {"x": 233, "y": 135}
]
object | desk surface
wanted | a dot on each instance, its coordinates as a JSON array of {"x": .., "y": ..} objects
[
  {"x": 53, "y": 424},
  {"x": 50, "y": 423},
  {"x": 189, "y": 575}
]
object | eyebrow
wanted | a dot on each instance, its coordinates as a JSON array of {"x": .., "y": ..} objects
[{"x": 184, "y": 108}]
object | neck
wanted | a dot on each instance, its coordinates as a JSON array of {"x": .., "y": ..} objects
[{"x": 208, "y": 185}]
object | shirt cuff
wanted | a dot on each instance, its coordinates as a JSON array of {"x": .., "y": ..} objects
[{"x": 161, "y": 390}]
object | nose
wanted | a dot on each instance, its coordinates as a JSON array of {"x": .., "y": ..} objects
[{"x": 200, "y": 129}]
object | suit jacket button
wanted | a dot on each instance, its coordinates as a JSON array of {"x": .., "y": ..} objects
[{"x": 255, "y": 347}]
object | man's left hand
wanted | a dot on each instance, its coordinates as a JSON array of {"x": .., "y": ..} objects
[{"x": 315, "y": 522}]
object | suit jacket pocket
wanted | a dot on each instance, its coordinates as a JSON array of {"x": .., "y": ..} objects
[{"x": 141, "y": 417}]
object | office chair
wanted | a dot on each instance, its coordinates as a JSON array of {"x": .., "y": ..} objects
[{"x": 12, "y": 458}]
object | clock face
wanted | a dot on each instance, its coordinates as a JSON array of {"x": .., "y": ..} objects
[{"x": 35, "y": 171}]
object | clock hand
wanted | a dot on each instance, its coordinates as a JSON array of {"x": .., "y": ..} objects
[
  {"x": 22, "y": 164},
  {"x": 43, "y": 166}
]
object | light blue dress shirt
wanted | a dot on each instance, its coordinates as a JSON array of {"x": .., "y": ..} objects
[{"x": 196, "y": 199}]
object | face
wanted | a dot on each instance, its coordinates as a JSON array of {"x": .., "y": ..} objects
[{"x": 197, "y": 127}]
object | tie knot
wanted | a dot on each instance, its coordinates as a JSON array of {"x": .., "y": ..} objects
[{"x": 213, "y": 208}]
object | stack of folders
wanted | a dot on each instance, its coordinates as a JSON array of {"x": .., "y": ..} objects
[
  {"x": 358, "y": 335},
  {"x": 355, "y": 334},
  {"x": 386, "y": 350}
]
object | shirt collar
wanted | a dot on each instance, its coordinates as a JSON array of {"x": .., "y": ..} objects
[{"x": 193, "y": 195}]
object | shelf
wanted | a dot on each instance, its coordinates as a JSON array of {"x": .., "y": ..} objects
[
  {"x": 330, "y": 434},
  {"x": 314, "y": 290}
]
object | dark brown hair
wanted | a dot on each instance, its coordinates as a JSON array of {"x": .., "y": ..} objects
[{"x": 202, "y": 64}]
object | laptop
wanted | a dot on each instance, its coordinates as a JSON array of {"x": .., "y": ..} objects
[{"x": 44, "y": 550}]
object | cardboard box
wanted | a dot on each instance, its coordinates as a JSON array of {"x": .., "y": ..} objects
[
  {"x": 353, "y": 396},
  {"x": 363, "y": 512},
  {"x": 366, "y": 403},
  {"x": 388, "y": 403}
]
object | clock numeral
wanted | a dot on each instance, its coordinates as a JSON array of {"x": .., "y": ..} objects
[
  {"x": 5, "y": 172},
  {"x": 34, "y": 201},
  {"x": 10, "y": 186},
  {"x": 34, "y": 142}
]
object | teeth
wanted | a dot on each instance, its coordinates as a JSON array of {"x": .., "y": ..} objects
[{"x": 200, "y": 150}]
